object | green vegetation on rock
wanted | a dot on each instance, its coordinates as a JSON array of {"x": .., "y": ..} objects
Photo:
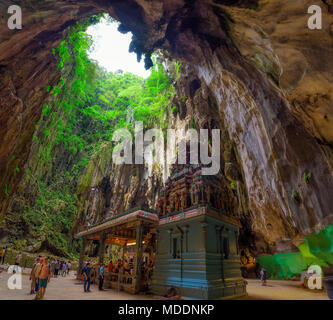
[
  {"x": 84, "y": 109},
  {"x": 317, "y": 249}
]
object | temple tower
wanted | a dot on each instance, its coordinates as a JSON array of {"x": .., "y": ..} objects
[{"x": 197, "y": 243}]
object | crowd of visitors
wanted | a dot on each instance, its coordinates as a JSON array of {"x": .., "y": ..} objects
[
  {"x": 42, "y": 271},
  {"x": 60, "y": 267},
  {"x": 96, "y": 272},
  {"x": 127, "y": 267},
  {"x": 91, "y": 273}
]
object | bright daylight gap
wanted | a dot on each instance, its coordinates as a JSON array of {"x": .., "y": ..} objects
[{"x": 111, "y": 49}]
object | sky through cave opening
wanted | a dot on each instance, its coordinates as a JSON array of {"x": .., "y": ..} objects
[{"x": 111, "y": 48}]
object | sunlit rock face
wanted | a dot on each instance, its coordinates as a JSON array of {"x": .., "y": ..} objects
[
  {"x": 106, "y": 189},
  {"x": 250, "y": 68}
]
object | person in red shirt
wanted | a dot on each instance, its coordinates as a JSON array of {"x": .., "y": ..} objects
[{"x": 110, "y": 266}]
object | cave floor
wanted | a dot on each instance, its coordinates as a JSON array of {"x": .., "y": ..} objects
[
  {"x": 63, "y": 288},
  {"x": 281, "y": 290},
  {"x": 68, "y": 288}
]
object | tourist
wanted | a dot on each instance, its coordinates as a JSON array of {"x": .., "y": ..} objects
[
  {"x": 57, "y": 267},
  {"x": 4, "y": 255},
  {"x": 86, "y": 272},
  {"x": 126, "y": 267},
  {"x": 53, "y": 268},
  {"x": 110, "y": 266},
  {"x": 64, "y": 267},
  {"x": 44, "y": 277},
  {"x": 36, "y": 272},
  {"x": 101, "y": 277},
  {"x": 93, "y": 273},
  {"x": 32, "y": 276},
  {"x": 69, "y": 265},
  {"x": 263, "y": 276},
  {"x": 18, "y": 261},
  {"x": 96, "y": 272}
]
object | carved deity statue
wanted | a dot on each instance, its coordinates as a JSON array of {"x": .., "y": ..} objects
[
  {"x": 192, "y": 196},
  {"x": 176, "y": 203},
  {"x": 197, "y": 195}
]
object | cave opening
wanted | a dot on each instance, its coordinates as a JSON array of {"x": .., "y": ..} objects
[{"x": 110, "y": 48}]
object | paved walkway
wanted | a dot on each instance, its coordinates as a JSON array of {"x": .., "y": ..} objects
[
  {"x": 281, "y": 290},
  {"x": 63, "y": 288},
  {"x": 68, "y": 288}
]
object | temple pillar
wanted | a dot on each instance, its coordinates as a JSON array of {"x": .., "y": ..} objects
[
  {"x": 204, "y": 226},
  {"x": 137, "y": 270},
  {"x": 170, "y": 241},
  {"x": 186, "y": 230},
  {"x": 82, "y": 256},
  {"x": 101, "y": 250},
  {"x": 164, "y": 210},
  {"x": 157, "y": 240}
]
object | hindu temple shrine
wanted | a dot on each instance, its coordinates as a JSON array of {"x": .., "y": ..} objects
[{"x": 189, "y": 243}]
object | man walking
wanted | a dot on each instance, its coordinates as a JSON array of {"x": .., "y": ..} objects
[
  {"x": 263, "y": 276},
  {"x": 86, "y": 277},
  {"x": 101, "y": 277},
  {"x": 33, "y": 277},
  {"x": 57, "y": 267},
  {"x": 44, "y": 277},
  {"x": 36, "y": 272},
  {"x": 18, "y": 261},
  {"x": 4, "y": 256},
  {"x": 69, "y": 265},
  {"x": 53, "y": 262},
  {"x": 64, "y": 267}
]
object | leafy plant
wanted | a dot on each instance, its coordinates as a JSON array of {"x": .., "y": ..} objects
[
  {"x": 177, "y": 67},
  {"x": 295, "y": 195},
  {"x": 192, "y": 125},
  {"x": 233, "y": 186},
  {"x": 306, "y": 177}
]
